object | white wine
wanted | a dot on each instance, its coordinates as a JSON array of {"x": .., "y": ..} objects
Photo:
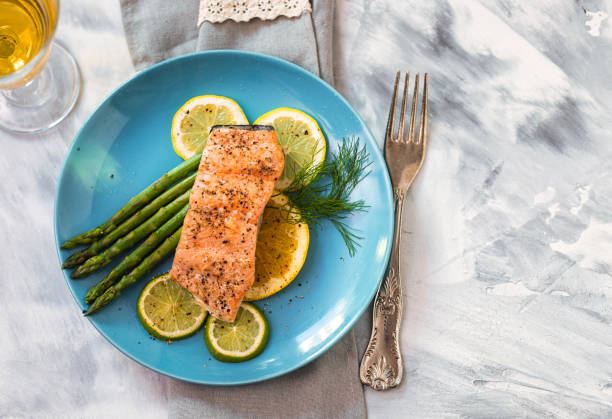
[
  {"x": 25, "y": 28},
  {"x": 39, "y": 78}
]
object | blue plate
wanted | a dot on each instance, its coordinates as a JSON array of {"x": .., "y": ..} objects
[{"x": 125, "y": 145}]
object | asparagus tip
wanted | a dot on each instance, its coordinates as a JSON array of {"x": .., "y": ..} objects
[
  {"x": 102, "y": 301},
  {"x": 93, "y": 308},
  {"x": 76, "y": 274},
  {"x": 69, "y": 264}
]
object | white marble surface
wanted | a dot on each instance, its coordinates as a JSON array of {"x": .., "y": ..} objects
[{"x": 508, "y": 229}]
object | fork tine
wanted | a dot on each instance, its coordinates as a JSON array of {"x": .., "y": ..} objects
[
  {"x": 400, "y": 135},
  {"x": 413, "y": 110},
  {"x": 423, "y": 128},
  {"x": 391, "y": 121}
]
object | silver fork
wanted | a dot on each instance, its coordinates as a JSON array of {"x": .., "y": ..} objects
[{"x": 381, "y": 366}]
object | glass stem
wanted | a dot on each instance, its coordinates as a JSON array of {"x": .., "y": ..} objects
[{"x": 34, "y": 93}]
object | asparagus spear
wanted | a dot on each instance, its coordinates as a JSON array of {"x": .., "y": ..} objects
[
  {"x": 145, "y": 266},
  {"x": 136, "y": 256},
  {"x": 129, "y": 240},
  {"x": 135, "y": 203},
  {"x": 131, "y": 223}
]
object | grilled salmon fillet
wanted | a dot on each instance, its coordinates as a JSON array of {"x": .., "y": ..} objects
[{"x": 215, "y": 257}]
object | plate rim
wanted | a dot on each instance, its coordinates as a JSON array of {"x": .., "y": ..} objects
[{"x": 330, "y": 342}]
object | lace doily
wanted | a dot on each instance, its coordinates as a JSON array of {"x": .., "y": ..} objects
[{"x": 244, "y": 10}]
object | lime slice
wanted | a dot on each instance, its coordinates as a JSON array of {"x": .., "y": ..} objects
[
  {"x": 301, "y": 139},
  {"x": 192, "y": 122},
  {"x": 239, "y": 341},
  {"x": 281, "y": 249},
  {"x": 168, "y": 311}
]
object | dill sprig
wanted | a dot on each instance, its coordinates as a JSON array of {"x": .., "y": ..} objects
[{"x": 322, "y": 191}]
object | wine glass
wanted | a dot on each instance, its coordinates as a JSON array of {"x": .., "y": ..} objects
[{"x": 39, "y": 79}]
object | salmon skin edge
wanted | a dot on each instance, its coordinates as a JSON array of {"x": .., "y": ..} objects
[{"x": 244, "y": 127}]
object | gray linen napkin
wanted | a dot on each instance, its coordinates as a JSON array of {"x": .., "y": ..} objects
[
  {"x": 161, "y": 29},
  {"x": 157, "y": 30}
]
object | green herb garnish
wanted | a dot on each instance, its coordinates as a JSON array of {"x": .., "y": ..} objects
[{"x": 322, "y": 191}]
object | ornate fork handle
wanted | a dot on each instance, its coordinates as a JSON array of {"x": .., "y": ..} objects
[{"x": 381, "y": 367}]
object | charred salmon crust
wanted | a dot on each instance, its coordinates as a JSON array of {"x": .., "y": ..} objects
[
  {"x": 215, "y": 257},
  {"x": 244, "y": 127}
]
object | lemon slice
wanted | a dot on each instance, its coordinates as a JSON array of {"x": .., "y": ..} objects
[
  {"x": 301, "y": 139},
  {"x": 281, "y": 249},
  {"x": 241, "y": 340},
  {"x": 168, "y": 311},
  {"x": 192, "y": 122}
]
